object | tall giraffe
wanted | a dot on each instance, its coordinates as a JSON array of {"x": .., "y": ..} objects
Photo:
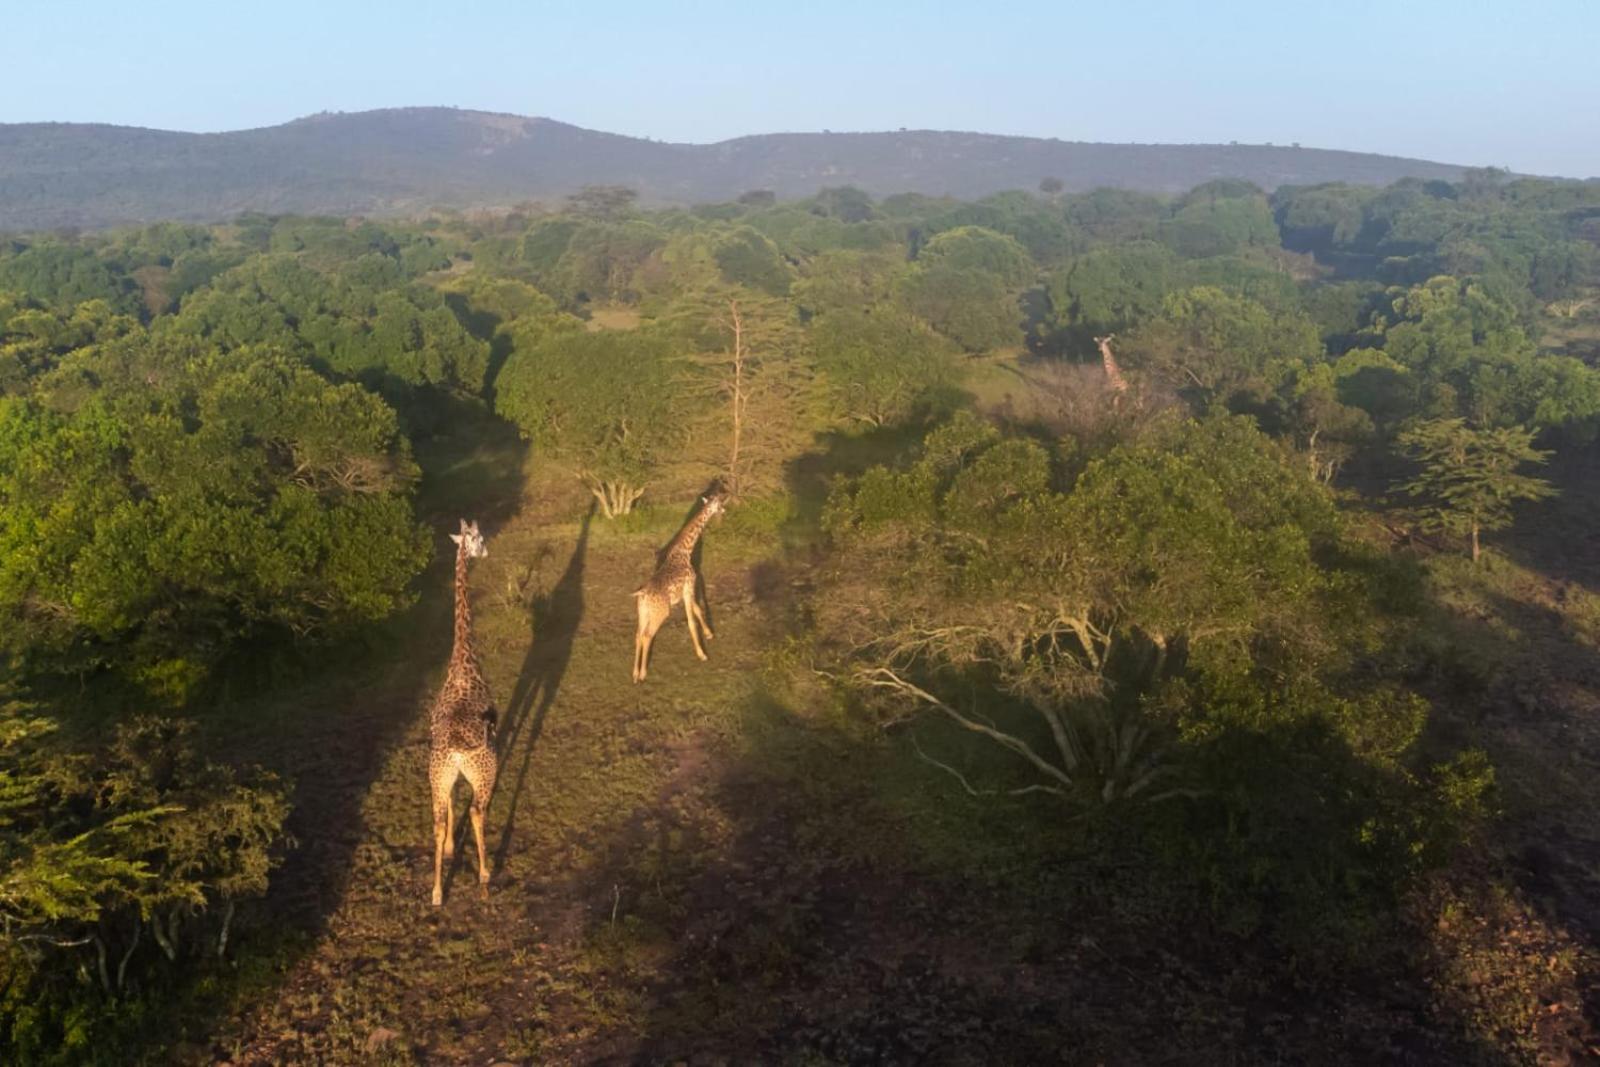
[
  {"x": 461, "y": 728},
  {"x": 675, "y": 579},
  {"x": 1114, "y": 378}
]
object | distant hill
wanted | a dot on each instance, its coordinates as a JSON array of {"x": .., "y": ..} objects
[{"x": 411, "y": 159}]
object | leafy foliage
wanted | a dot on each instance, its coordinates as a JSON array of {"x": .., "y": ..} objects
[
  {"x": 1161, "y": 640},
  {"x": 1469, "y": 478},
  {"x": 609, "y": 404},
  {"x": 1139, "y": 608},
  {"x": 109, "y": 856},
  {"x": 162, "y": 502},
  {"x": 881, "y": 366}
]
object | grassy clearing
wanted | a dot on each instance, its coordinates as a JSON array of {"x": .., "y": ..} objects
[{"x": 612, "y": 317}]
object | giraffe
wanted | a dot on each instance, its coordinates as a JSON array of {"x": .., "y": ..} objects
[
  {"x": 1114, "y": 378},
  {"x": 461, "y": 727},
  {"x": 675, "y": 579}
]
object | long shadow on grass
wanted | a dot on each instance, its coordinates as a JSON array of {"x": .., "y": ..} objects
[
  {"x": 758, "y": 912},
  {"x": 554, "y": 622},
  {"x": 1560, "y": 537}
]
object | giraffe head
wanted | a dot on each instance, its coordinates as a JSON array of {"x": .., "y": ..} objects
[
  {"x": 715, "y": 499},
  {"x": 471, "y": 540}
]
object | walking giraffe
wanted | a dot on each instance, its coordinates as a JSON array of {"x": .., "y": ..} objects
[
  {"x": 461, "y": 728},
  {"x": 1114, "y": 378},
  {"x": 676, "y": 579}
]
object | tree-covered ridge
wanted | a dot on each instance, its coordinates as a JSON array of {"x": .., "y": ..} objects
[
  {"x": 398, "y": 161},
  {"x": 1158, "y": 608}
]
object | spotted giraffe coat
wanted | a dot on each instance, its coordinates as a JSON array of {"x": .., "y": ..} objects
[
  {"x": 461, "y": 728},
  {"x": 675, "y": 582}
]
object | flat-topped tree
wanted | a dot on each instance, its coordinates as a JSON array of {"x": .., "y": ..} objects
[{"x": 1469, "y": 478}]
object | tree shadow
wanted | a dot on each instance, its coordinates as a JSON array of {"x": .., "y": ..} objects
[
  {"x": 772, "y": 935},
  {"x": 844, "y": 454},
  {"x": 553, "y": 625},
  {"x": 1560, "y": 537}
]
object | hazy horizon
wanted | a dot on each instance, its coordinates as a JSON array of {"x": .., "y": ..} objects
[
  {"x": 752, "y": 133},
  {"x": 1474, "y": 87}
]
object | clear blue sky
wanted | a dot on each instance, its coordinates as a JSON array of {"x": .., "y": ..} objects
[{"x": 1506, "y": 83}]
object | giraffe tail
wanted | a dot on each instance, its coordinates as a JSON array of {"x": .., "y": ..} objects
[{"x": 491, "y": 720}]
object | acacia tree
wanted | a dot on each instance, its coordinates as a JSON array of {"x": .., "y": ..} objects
[
  {"x": 1469, "y": 478},
  {"x": 109, "y": 855},
  {"x": 1213, "y": 345},
  {"x": 965, "y": 286},
  {"x": 603, "y": 201}
]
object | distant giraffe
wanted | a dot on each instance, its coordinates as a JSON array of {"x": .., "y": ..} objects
[
  {"x": 461, "y": 727},
  {"x": 1114, "y": 379},
  {"x": 675, "y": 579}
]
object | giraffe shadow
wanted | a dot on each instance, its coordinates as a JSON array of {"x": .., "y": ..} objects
[{"x": 553, "y": 623}]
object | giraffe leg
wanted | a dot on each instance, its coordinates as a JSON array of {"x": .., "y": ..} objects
[
  {"x": 450, "y": 822},
  {"x": 483, "y": 858},
  {"x": 700, "y": 611},
  {"x": 688, "y": 614},
  {"x": 646, "y": 639},
  {"x": 650, "y": 620},
  {"x": 440, "y": 807},
  {"x": 482, "y": 782},
  {"x": 641, "y": 642}
]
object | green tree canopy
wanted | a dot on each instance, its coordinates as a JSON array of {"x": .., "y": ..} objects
[
  {"x": 1218, "y": 345},
  {"x": 1469, "y": 478},
  {"x": 973, "y": 249},
  {"x": 977, "y": 311},
  {"x": 611, "y": 404},
  {"x": 161, "y": 501},
  {"x": 881, "y": 366},
  {"x": 1111, "y": 289}
]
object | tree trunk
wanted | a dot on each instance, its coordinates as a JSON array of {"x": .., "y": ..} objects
[
  {"x": 615, "y": 498},
  {"x": 738, "y": 396},
  {"x": 1474, "y": 541}
]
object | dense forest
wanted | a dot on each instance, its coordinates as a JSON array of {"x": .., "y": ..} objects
[{"x": 1144, "y": 625}]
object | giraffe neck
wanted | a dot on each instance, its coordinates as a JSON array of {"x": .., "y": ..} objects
[
  {"x": 683, "y": 545},
  {"x": 1113, "y": 372},
  {"x": 462, "y": 653}
]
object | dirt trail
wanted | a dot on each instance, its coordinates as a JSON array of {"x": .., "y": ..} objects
[{"x": 587, "y": 761}]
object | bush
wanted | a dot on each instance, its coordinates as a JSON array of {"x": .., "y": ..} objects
[{"x": 115, "y": 865}]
